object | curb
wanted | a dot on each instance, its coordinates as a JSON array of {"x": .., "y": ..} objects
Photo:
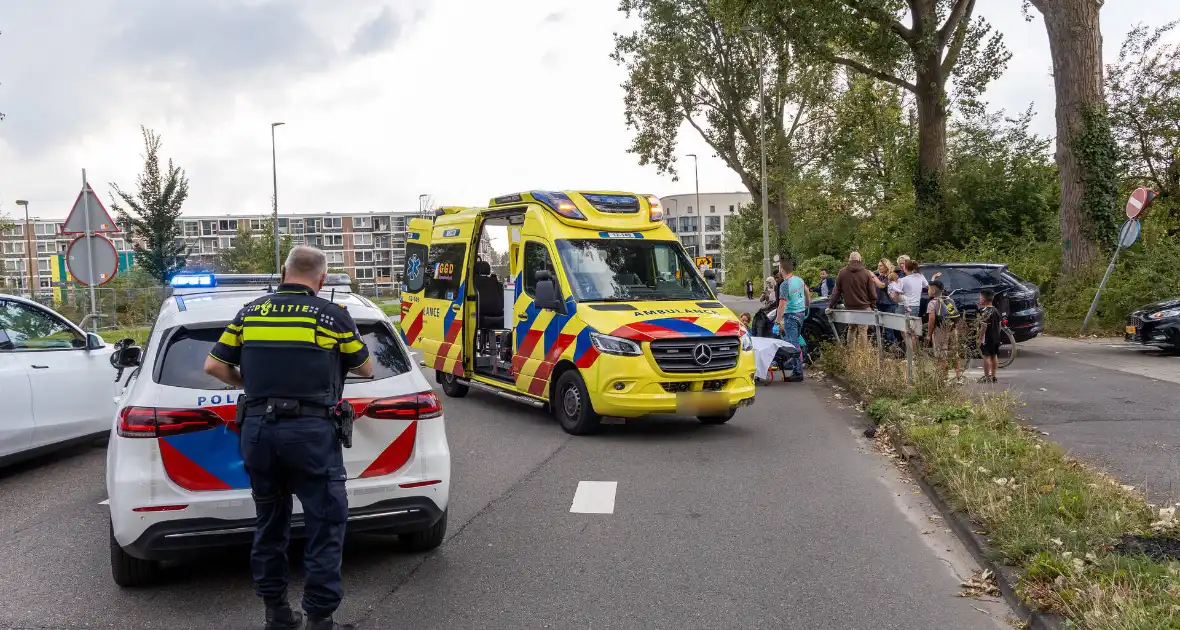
[{"x": 1006, "y": 576}]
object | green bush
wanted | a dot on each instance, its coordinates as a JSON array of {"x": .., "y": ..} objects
[{"x": 809, "y": 269}]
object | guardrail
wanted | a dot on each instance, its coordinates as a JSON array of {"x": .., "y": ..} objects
[{"x": 882, "y": 321}]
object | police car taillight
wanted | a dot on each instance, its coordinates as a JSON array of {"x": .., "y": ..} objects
[
  {"x": 148, "y": 422},
  {"x": 419, "y": 406}
]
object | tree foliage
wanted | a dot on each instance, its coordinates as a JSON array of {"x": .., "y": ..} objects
[
  {"x": 250, "y": 254},
  {"x": 690, "y": 64},
  {"x": 151, "y": 215},
  {"x": 943, "y": 41},
  {"x": 1143, "y": 92}
]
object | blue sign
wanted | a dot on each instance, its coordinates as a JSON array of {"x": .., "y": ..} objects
[
  {"x": 449, "y": 233},
  {"x": 413, "y": 267},
  {"x": 1129, "y": 233}
]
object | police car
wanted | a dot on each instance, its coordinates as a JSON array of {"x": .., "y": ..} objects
[{"x": 175, "y": 479}]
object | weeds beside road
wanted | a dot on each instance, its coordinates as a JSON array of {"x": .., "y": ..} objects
[{"x": 1079, "y": 539}]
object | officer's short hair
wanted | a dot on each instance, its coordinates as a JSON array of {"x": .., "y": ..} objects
[{"x": 307, "y": 262}]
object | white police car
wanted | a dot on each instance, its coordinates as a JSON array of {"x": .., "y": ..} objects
[{"x": 175, "y": 478}]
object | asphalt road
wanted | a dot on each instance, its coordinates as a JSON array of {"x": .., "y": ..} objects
[
  {"x": 784, "y": 518},
  {"x": 1109, "y": 403}
]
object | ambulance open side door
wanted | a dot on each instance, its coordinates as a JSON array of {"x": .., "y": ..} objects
[
  {"x": 445, "y": 303},
  {"x": 414, "y": 279}
]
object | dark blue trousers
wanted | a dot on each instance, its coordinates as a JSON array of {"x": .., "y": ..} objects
[{"x": 299, "y": 456}]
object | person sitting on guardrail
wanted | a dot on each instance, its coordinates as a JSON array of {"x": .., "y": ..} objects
[{"x": 944, "y": 320}]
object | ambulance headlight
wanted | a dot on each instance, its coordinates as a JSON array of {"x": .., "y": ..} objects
[
  {"x": 607, "y": 344},
  {"x": 747, "y": 342}
]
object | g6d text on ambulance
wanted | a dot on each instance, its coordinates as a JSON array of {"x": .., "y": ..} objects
[{"x": 602, "y": 314}]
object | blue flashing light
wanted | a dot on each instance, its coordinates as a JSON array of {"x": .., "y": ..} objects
[{"x": 194, "y": 280}]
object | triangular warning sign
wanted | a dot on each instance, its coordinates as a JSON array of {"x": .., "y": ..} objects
[{"x": 88, "y": 203}]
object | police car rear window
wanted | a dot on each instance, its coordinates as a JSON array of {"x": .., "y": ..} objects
[{"x": 182, "y": 363}]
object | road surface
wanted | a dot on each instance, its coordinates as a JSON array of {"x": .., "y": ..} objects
[{"x": 784, "y": 518}]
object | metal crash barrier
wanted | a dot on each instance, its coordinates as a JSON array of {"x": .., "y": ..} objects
[{"x": 882, "y": 321}]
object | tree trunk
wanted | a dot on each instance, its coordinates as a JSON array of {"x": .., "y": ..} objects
[
  {"x": 1075, "y": 43},
  {"x": 930, "y": 100}
]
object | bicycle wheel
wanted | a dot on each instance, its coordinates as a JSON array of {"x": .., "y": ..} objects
[{"x": 1007, "y": 349}]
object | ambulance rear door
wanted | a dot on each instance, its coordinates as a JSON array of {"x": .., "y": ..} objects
[
  {"x": 414, "y": 279},
  {"x": 444, "y": 296}
]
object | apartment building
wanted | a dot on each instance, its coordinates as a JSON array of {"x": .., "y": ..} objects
[
  {"x": 43, "y": 238},
  {"x": 701, "y": 226},
  {"x": 370, "y": 247}
]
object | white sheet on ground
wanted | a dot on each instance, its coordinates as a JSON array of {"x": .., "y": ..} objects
[{"x": 764, "y": 350}]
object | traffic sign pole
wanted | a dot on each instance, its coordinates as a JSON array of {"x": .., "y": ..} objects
[
  {"x": 1128, "y": 234},
  {"x": 89, "y": 254}
]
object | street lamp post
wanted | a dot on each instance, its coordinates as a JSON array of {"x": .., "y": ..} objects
[
  {"x": 274, "y": 170},
  {"x": 422, "y": 204},
  {"x": 700, "y": 212},
  {"x": 28, "y": 247}
]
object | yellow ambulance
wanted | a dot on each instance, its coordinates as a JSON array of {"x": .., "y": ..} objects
[{"x": 597, "y": 311}]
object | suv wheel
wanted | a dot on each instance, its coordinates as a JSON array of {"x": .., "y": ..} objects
[
  {"x": 427, "y": 539},
  {"x": 451, "y": 385},
  {"x": 127, "y": 570},
  {"x": 571, "y": 405}
]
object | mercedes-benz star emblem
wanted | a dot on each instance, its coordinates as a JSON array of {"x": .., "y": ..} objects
[{"x": 702, "y": 354}]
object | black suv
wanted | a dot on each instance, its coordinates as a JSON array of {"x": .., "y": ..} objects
[
  {"x": 963, "y": 282},
  {"x": 1156, "y": 324}
]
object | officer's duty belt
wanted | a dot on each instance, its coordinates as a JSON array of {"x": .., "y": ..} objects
[{"x": 288, "y": 408}]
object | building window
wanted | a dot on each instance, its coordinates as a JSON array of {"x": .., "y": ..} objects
[
  {"x": 713, "y": 243},
  {"x": 712, "y": 208},
  {"x": 45, "y": 247},
  {"x": 44, "y": 283},
  {"x": 43, "y": 264},
  {"x": 228, "y": 225},
  {"x": 672, "y": 223},
  {"x": 365, "y": 256},
  {"x": 14, "y": 265},
  {"x": 731, "y": 209},
  {"x": 334, "y": 240},
  {"x": 17, "y": 247},
  {"x": 364, "y": 273},
  {"x": 362, "y": 239},
  {"x": 334, "y": 258},
  {"x": 208, "y": 228},
  {"x": 45, "y": 229},
  {"x": 362, "y": 222},
  {"x": 690, "y": 209},
  {"x": 712, "y": 224},
  {"x": 332, "y": 223},
  {"x": 192, "y": 228},
  {"x": 255, "y": 225},
  {"x": 296, "y": 225},
  {"x": 688, "y": 224}
]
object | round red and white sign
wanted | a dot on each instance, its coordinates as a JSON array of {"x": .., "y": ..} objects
[{"x": 1139, "y": 201}]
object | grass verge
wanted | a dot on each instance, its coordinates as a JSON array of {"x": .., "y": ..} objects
[{"x": 1059, "y": 522}]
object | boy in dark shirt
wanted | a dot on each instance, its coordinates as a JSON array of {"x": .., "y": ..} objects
[{"x": 989, "y": 335}]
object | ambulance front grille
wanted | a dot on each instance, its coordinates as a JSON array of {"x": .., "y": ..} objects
[{"x": 696, "y": 354}]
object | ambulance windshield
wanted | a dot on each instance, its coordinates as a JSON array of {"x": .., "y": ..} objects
[{"x": 616, "y": 270}]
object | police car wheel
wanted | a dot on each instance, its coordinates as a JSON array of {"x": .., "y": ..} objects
[
  {"x": 722, "y": 419},
  {"x": 451, "y": 385},
  {"x": 127, "y": 570},
  {"x": 427, "y": 539},
  {"x": 571, "y": 405}
]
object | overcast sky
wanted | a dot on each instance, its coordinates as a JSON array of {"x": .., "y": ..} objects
[{"x": 383, "y": 100}]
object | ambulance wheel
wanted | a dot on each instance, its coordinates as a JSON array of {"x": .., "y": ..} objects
[
  {"x": 427, "y": 539},
  {"x": 722, "y": 419},
  {"x": 571, "y": 405},
  {"x": 451, "y": 385},
  {"x": 127, "y": 570}
]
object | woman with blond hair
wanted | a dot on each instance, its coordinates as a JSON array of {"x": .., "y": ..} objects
[{"x": 885, "y": 302}]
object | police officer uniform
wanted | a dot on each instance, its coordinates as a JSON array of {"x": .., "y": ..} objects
[{"x": 294, "y": 349}]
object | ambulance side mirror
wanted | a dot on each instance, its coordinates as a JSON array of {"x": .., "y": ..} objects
[{"x": 546, "y": 292}]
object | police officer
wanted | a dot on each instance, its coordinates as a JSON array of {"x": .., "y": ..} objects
[{"x": 290, "y": 351}]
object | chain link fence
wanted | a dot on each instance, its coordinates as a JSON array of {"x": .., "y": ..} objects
[{"x": 117, "y": 308}]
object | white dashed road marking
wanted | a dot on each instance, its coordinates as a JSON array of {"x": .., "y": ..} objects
[{"x": 594, "y": 497}]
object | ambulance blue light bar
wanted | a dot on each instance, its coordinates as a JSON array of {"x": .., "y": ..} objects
[{"x": 194, "y": 280}]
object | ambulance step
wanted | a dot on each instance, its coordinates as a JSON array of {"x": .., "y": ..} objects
[{"x": 533, "y": 402}]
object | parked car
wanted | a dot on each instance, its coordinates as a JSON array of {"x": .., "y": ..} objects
[
  {"x": 58, "y": 387},
  {"x": 1018, "y": 299},
  {"x": 1156, "y": 324}
]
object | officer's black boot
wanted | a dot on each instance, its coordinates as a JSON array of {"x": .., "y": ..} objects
[
  {"x": 327, "y": 624},
  {"x": 281, "y": 617}
]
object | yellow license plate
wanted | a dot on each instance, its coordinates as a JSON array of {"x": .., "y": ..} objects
[{"x": 1130, "y": 330}]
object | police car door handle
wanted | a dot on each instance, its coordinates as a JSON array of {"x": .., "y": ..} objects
[{"x": 40, "y": 367}]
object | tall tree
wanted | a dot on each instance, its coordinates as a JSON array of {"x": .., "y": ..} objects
[
  {"x": 1143, "y": 92},
  {"x": 689, "y": 63},
  {"x": 152, "y": 214},
  {"x": 943, "y": 41},
  {"x": 1085, "y": 149}
]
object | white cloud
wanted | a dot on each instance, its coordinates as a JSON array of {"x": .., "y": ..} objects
[{"x": 460, "y": 99}]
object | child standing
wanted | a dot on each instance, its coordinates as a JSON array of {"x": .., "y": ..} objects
[
  {"x": 989, "y": 335},
  {"x": 943, "y": 327}
]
